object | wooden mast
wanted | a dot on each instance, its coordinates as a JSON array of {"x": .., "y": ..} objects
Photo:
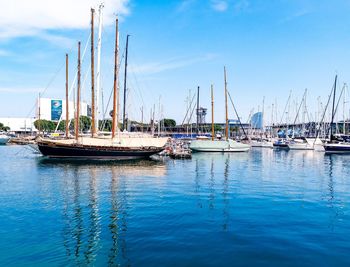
[
  {"x": 67, "y": 100},
  {"x": 78, "y": 98},
  {"x": 115, "y": 83},
  {"x": 212, "y": 113},
  {"x": 226, "y": 109},
  {"x": 93, "y": 119}
]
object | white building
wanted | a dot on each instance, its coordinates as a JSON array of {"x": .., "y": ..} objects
[
  {"x": 19, "y": 124},
  {"x": 52, "y": 109}
]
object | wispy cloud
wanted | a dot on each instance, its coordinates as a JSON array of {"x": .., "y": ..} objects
[
  {"x": 185, "y": 5},
  {"x": 28, "y": 18},
  {"x": 57, "y": 40},
  {"x": 20, "y": 90},
  {"x": 219, "y": 5},
  {"x": 300, "y": 13},
  {"x": 176, "y": 63},
  {"x": 4, "y": 53},
  {"x": 241, "y": 5}
]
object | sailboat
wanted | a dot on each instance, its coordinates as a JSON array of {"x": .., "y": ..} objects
[
  {"x": 118, "y": 146},
  {"x": 212, "y": 145},
  {"x": 334, "y": 146},
  {"x": 301, "y": 145},
  {"x": 262, "y": 142}
]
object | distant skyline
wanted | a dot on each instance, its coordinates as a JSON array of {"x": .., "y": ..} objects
[{"x": 268, "y": 47}]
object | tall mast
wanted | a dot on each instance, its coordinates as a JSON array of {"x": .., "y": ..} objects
[
  {"x": 39, "y": 115},
  {"x": 212, "y": 113},
  {"x": 115, "y": 84},
  {"x": 197, "y": 109},
  {"x": 226, "y": 108},
  {"x": 67, "y": 100},
  {"x": 93, "y": 119},
  {"x": 335, "y": 88},
  {"x": 98, "y": 74},
  {"x": 142, "y": 119},
  {"x": 125, "y": 75},
  {"x": 344, "y": 101},
  {"x": 78, "y": 98},
  {"x": 262, "y": 115}
]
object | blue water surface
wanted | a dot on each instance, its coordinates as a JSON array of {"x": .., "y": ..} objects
[{"x": 262, "y": 208}]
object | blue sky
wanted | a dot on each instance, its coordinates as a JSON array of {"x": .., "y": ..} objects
[{"x": 268, "y": 47}]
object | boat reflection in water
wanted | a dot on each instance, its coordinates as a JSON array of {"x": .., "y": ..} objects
[
  {"x": 152, "y": 213},
  {"x": 96, "y": 199}
]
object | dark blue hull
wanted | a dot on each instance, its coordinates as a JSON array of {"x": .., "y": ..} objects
[
  {"x": 337, "y": 148},
  {"x": 53, "y": 150},
  {"x": 281, "y": 146}
]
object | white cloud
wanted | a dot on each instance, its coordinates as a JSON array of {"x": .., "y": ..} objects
[
  {"x": 4, "y": 53},
  {"x": 241, "y": 5},
  {"x": 185, "y": 5},
  {"x": 20, "y": 90},
  {"x": 176, "y": 63},
  {"x": 300, "y": 13},
  {"x": 219, "y": 5},
  {"x": 27, "y": 18}
]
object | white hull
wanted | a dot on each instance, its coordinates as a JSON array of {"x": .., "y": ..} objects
[
  {"x": 4, "y": 139},
  {"x": 218, "y": 146},
  {"x": 221, "y": 150},
  {"x": 302, "y": 146},
  {"x": 262, "y": 144}
]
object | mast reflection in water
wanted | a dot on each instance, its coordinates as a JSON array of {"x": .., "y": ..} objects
[{"x": 265, "y": 207}]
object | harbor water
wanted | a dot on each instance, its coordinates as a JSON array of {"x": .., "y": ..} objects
[{"x": 261, "y": 208}]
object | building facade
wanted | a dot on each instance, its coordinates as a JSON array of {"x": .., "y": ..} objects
[{"x": 54, "y": 109}]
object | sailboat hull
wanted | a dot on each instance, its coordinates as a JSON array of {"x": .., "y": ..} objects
[
  {"x": 337, "y": 148},
  {"x": 218, "y": 146},
  {"x": 94, "y": 152},
  {"x": 4, "y": 139}
]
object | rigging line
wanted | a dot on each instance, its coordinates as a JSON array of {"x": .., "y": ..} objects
[
  {"x": 341, "y": 93},
  {"x": 236, "y": 113},
  {"x": 145, "y": 83},
  {"x": 188, "y": 109},
  {"x": 138, "y": 88},
  {"x": 324, "y": 112},
  {"x": 47, "y": 86},
  {"x": 285, "y": 108},
  {"x": 301, "y": 104},
  {"x": 190, "y": 117},
  {"x": 109, "y": 99},
  {"x": 73, "y": 82}
]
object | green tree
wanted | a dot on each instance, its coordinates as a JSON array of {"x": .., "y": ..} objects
[
  {"x": 217, "y": 128},
  {"x": 84, "y": 124},
  {"x": 4, "y": 128},
  {"x": 45, "y": 125},
  {"x": 106, "y": 124},
  {"x": 62, "y": 126},
  {"x": 168, "y": 122}
]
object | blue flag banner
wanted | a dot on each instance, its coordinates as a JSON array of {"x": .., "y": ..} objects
[{"x": 56, "y": 109}]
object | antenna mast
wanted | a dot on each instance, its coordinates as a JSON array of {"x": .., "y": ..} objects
[
  {"x": 78, "y": 98},
  {"x": 226, "y": 109},
  {"x": 125, "y": 75},
  {"x": 115, "y": 84},
  {"x": 93, "y": 108},
  {"x": 98, "y": 71},
  {"x": 67, "y": 100}
]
